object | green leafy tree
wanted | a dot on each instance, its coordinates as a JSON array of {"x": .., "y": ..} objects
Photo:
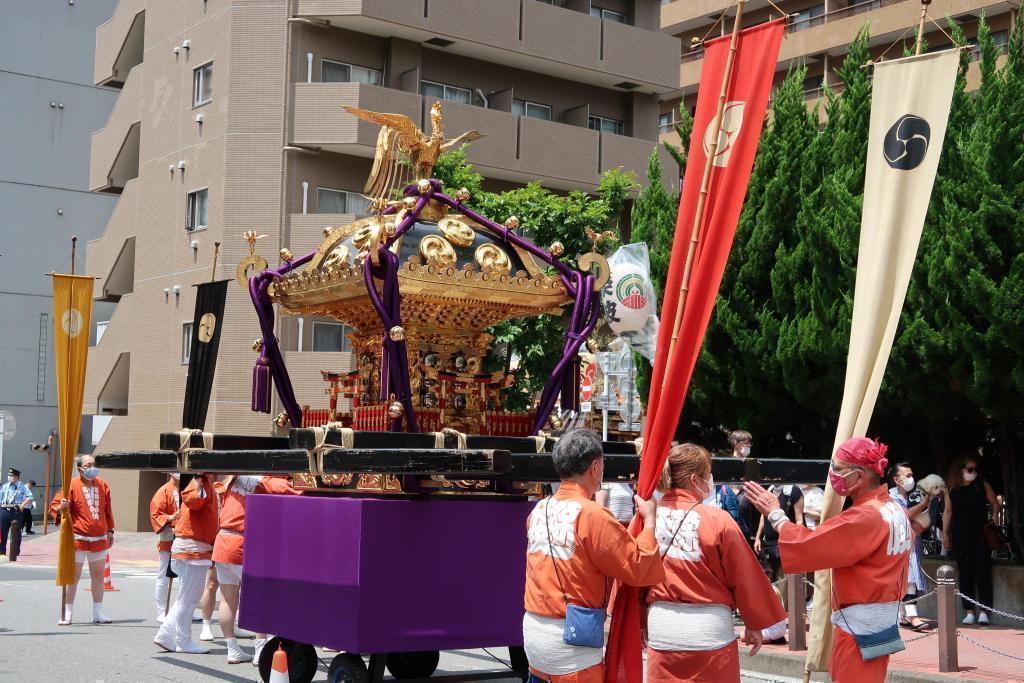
[{"x": 738, "y": 379}]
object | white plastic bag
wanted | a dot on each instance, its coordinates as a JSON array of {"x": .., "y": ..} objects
[{"x": 630, "y": 304}]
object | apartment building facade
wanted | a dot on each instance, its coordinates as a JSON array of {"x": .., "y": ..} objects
[
  {"x": 49, "y": 107},
  {"x": 229, "y": 119},
  {"x": 818, "y": 34}
]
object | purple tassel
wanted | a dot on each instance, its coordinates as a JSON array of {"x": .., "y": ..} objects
[{"x": 261, "y": 385}]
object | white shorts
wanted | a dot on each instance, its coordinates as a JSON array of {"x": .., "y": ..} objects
[
  {"x": 229, "y": 574},
  {"x": 85, "y": 556}
]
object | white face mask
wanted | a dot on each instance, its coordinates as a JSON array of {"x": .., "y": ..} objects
[
  {"x": 970, "y": 476},
  {"x": 175, "y": 476},
  {"x": 745, "y": 451},
  {"x": 907, "y": 484},
  {"x": 11, "y": 479}
]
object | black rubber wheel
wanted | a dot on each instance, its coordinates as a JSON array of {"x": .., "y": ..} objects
[
  {"x": 348, "y": 668},
  {"x": 404, "y": 665},
  {"x": 302, "y": 660}
]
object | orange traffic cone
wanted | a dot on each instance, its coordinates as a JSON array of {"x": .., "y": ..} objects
[
  {"x": 108, "y": 585},
  {"x": 279, "y": 670}
]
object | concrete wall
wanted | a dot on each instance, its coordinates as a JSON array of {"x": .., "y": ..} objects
[
  {"x": 46, "y": 55},
  {"x": 1007, "y": 592}
]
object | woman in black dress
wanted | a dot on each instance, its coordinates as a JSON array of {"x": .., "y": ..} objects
[{"x": 963, "y": 523}]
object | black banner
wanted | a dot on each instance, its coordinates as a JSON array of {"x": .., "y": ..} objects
[{"x": 202, "y": 360}]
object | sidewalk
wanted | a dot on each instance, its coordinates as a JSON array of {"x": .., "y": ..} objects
[
  {"x": 131, "y": 550},
  {"x": 920, "y": 661}
]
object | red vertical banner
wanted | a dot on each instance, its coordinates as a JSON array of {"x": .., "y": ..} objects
[{"x": 746, "y": 104}]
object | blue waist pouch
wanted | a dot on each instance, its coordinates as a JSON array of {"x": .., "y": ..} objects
[
  {"x": 874, "y": 645},
  {"x": 584, "y": 626}
]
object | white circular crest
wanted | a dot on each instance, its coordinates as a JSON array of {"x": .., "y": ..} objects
[{"x": 71, "y": 322}]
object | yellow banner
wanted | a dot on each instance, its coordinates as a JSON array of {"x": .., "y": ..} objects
[{"x": 72, "y": 309}]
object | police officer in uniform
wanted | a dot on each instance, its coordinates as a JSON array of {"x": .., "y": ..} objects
[{"x": 12, "y": 494}]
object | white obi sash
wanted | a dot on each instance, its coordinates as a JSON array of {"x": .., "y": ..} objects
[
  {"x": 547, "y": 651},
  {"x": 679, "y": 626},
  {"x": 190, "y": 545}
]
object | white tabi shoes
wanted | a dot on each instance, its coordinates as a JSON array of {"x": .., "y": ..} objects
[
  {"x": 236, "y": 655},
  {"x": 191, "y": 647},
  {"x": 98, "y": 617},
  {"x": 207, "y": 633}
]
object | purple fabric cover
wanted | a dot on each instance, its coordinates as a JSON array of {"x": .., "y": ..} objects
[{"x": 379, "y": 575}]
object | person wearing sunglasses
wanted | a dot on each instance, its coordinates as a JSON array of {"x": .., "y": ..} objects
[
  {"x": 963, "y": 523},
  {"x": 867, "y": 547}
]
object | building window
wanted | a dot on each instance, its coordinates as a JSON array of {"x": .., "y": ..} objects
[
  {"x": 202, "y": 84},
  {"x": 531, "y": 109},
  {"x": 809, "y": 18},
  {"x": 556, "y": 3},
  {"x": 339, "y": 72},
  {"x": 607, "y": 14},
  {"x": 340, "y": 201},
  {"x": 999, "y": 38},
  {"x": 665, "y": 123},
  {"x": 449, "y": 93},
  {"x": 186, "y": 342},
  {"x": 101, "y": 329},
  {"x": 330, "y": 337},
  {"x": 195, "y": 210},
  {"x": 606, "y": 125}
]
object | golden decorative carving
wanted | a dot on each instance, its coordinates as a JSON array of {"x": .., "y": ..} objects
[
  {"x": 457, "y": 232},
  {"x": 437, "y": 251},
  {"x": 492, "y": 258},
  {"x": 399, "y": 135},
  {"x": 337, "y": 258},
  {"x": 254, "y": 261},
  {"x": 590, "y": 259}
]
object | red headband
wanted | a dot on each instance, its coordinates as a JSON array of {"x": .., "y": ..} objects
[{"x": 864, "y": 452}]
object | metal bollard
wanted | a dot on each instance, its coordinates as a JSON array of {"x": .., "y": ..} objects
[
  {"x": 796, "y": 595},
  {"x": 946, "y": 578},
  {"x": 14, "y": 539}
]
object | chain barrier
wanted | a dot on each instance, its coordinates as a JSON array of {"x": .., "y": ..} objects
[
  {"x": 989, "y": 609},
  {"x": 961, "y": 634},
  {"x": 920, "y": 597},
  {"x": 926, "y": 635}
]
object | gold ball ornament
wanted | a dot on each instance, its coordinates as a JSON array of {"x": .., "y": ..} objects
[
  {"x": 390, "y": 229},
  {"x": 327, "y": 230},
  {"x": 286, "y": 254},
  {"x": 397, "y": 333},
  {"x": 556, "y": 249},
  {"x": 462, "y": 195},
  {"x": 512, "y": 223},
  {"x": 257, "y": 345},
  {"x": 281, "y": 420},
  {"x": 396, "y": 410},
  {"x": 409, "y": 203},
  {"x": 423, "y": 186}
]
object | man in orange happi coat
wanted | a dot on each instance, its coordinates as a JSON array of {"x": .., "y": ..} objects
[
  {"x": 709, "y": 572},
  {"x": 93, "y": 523},
  {"x": 575, "y": 549},
  {"x": 163, "y": 511},
  {"x": 227, "y": 552},
  {"x": 191, "y": 557},
  {"x": 867, "y": 547}
]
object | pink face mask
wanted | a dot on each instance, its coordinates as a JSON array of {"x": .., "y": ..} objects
[{"x": 838, "y": 482}]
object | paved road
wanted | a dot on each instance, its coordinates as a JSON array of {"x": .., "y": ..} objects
[{"x": 34, "y": 648}]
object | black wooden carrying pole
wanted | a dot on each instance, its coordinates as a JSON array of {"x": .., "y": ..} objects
[{"x": 501, "y": 458}]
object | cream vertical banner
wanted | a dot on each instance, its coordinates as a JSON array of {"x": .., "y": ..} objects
[{"x": 909, "y": 111}]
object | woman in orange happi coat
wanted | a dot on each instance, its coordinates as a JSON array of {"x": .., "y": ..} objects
[
  {"x": 709, "y": 572},
  {"x": 867, "y": 547}
]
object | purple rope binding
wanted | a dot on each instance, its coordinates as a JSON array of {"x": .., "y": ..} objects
[{"x": 270, "y": 369}]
